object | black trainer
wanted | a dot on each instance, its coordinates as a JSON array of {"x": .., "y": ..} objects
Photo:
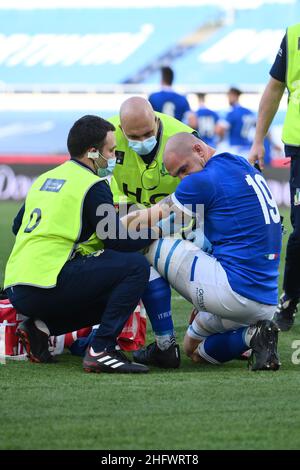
[
  {"x": 35, "y": 342},
  {"x": 286, "y": 312},
  {"x": 264, "y": 346},
  {"x": 111, "y": 362},
  {"x": 152, "y": 355}
]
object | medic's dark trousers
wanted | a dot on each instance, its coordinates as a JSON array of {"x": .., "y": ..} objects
[
  {"x": 291, "y": 283},
  {"x": 101, "y": 289}
]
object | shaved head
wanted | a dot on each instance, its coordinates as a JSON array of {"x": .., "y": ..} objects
[
  {"x": 185, "y": 154},
  {"x": 178, "y": 146},
  {"x": 137, "y": 118}
]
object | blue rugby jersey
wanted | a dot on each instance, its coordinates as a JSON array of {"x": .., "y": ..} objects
[
  {"x": 207, "y": 120},
  {"x": 171, "y": 103},
  {"x": 241, "y": 126},
  {"x": 242, "y": 222}
]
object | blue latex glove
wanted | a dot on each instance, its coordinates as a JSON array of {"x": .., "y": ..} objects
[
  {"x": 199, "y": 239},
  {"x": 168, "y": 226}
]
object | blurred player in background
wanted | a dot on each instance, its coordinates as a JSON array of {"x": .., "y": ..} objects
[
  {"x": 285, "y": 74},
  {"x": 166, "y": 100},
  {"x": 236, "y": 286},
  {"x": 204, "y": 121},
  {"x": 238, "y": 127},
  {"x": 272, "y": 149}
]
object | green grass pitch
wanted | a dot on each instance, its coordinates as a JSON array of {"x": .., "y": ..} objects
[{"x": 227, "y": 407}]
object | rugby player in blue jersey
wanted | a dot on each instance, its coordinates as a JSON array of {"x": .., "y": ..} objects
[
  {"x": 166, "y": 100},
  {"x": 239, "y": 125},
  {"x": 235, "y": 288},
  {"x": 204, "y": 121}
]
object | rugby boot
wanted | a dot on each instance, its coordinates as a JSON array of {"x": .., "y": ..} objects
[
  {"x": 111, "y": 362},
  {"x": 264, "y": 346},
  {"x": 286, "y": 312},
  {"x": 35, "y": 342},
  {"x": 152, "y": 355}
]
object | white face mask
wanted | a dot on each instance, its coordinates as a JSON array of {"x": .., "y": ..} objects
[{"x": 143, "y": 147}]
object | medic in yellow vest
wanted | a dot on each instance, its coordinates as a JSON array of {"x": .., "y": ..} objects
[
  {"x": 57, "y": 289},
  {"x": 141, "y": 135},
  {"x": 139, "y": 176}
]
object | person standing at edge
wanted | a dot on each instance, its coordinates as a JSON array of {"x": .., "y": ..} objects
[{"x": 285, "y": 73}]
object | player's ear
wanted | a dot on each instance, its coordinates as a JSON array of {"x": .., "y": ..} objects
[{"x": 199, "y": 149}]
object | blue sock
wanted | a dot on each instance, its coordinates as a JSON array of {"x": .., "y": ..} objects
[
  {"x": 157, "y": 302},
  {"x": 223, "y": 347}
]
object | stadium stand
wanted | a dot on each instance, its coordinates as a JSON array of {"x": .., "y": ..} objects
[
  {"x": 51, "y": 49},
  {"x": 62, "y": 59},
  {"x": 241, "y": 51}
]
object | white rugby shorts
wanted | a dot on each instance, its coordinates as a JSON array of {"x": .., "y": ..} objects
[{"x": 201, "y": 279}]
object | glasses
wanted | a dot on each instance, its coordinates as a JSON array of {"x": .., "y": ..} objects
[{"x": 150, "y": 177}]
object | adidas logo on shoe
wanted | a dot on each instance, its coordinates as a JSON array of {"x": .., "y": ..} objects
[{"x": 110, "y": 361}]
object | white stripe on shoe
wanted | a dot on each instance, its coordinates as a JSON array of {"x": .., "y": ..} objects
[
  {"x": 108, "y": 363},
  {"x": 117, "y": 365},
  {"x": 105, "y": 358}
]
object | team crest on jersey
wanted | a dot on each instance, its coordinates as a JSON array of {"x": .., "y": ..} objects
[
  {"x": 297, "y": 197},
  {"x": 272, "y": 256},
  {"x": 120, "y": 157}
]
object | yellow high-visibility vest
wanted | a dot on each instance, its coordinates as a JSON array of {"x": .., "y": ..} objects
[{"x": 50, "y": 227}]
